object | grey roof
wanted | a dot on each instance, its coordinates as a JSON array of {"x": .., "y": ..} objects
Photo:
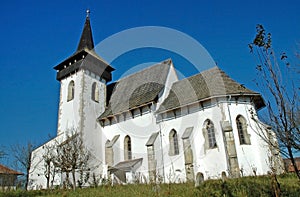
[
  {"x": 129, "y": 165},
  {"x": 137, "y": 89},
  {"x": 86, "y": 39},
  {"x": 205, "y": 85},
  {"x": 187, "y": 133},
  {"x": 85, "y": 57},
  {"x": 87, "y": 60},
  {"x": 152, "y": 139}
]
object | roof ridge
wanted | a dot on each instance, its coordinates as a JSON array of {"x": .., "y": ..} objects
[
  {"x": 197, "y": 74},
  {"x": 217, "y": 68},
  {"x": 165, "y": 62}
]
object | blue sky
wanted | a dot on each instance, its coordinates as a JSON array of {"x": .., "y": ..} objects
[{"x": 37, "y": 35}]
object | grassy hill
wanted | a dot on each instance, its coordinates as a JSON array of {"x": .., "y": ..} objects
[{"x": 246, "y": 186}]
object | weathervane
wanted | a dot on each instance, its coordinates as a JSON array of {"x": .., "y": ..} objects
[{"x": 88, "y": 12}]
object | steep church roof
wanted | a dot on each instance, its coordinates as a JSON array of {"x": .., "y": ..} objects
[
  {"x": 205, "y": 85},
  {"x": 86, "y": 39},
  {"x": 85, "y": 57},
  {"x": 137, "y": 89}
]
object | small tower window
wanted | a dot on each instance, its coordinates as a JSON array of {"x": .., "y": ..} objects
[
  {"x": 71, "y": 90},
  {"x": 95, "y": 92},
  {"x": 210, "y": 137},
  {"x": 127, "y": 148},
  {"x": 242, "y": 130},
  {"x": 173, "y": 140}
]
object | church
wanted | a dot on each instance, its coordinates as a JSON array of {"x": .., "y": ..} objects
[{"x": 151, "y": 126}]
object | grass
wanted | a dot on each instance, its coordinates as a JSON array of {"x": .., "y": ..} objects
[{"x": 246, "y": 186}]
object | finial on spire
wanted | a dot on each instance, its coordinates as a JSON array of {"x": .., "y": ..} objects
[{"x": 86, "y": 39}]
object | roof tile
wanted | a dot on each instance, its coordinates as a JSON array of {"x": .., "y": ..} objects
[
  {"x": 137, "y": 89},
  {"x": 207, "y": 84},
  {"x": 6, "y": 170}
]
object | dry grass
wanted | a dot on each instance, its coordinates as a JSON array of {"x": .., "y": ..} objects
[{"x": 247, "y": 186}]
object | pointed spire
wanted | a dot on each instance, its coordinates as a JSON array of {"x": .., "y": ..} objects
[{"x": 86, "y": 39}]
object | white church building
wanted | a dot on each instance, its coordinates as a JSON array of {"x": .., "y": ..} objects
[{"x": 152, "y": 126}]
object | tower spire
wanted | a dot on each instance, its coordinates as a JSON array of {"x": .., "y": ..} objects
[{"x": 86, "y": 39}]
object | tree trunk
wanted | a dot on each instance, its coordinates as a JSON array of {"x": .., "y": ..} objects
[
  {"x": 67, "y": 180},
  {"x": 74, "y": 179},
  {"x": 28, "y": 163},
  {"x": 27, "y": 177},
  {"x": 293, "y": 161},
  {"x": 275, "y": 185},
  {"x": 48, "y": 182},
  {"x": 52, "y": 177},
  {"x": 48, "y": 176}
]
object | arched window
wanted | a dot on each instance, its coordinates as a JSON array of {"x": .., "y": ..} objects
[
  {"x": 173, "y": 139},
  {"x": 241, "y": 125},
  {"x": 95, "y": 92},
  {"x": 210, "y": 134},
  {"x": 71, "y": 90},
  {"x": 199, "y": 178},
  {"x": 127, "y": 148}
]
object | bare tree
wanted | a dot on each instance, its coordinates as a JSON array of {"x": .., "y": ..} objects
[
  {"x": 276, "y": 78},
  {"x": 49, "y": 168},
  {"x": 2, "y": 154},
  {"x": 23, "y": 156},
  {"x": 72, "y": 156}
]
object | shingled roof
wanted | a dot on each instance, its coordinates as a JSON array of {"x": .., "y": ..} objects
[
  {"x": 127, "y": 166},
  {"x": 86, "y": 39},
  {"x": 205, "y": 85},
  {"x": 137, "y": 89},
  {"x": 84, "y": 57}
]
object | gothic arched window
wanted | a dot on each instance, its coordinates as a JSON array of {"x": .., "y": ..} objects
[
  {"x": 241, "y": 125},
  {"x": 173, "y": 140},
  {"x": 127, "y": 148},
  {"x": 71, "y": 90},
  {"x": 210, "y": 137},
  {"x": 95, "y": 92}
]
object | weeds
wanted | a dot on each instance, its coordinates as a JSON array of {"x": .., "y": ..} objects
[{"x": 245, "y": 186}]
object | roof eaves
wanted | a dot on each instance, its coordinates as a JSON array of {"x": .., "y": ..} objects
[
  {"x": 6, "y": 170},
  {"x": 104, "y": 116},
  {"x": 159, "y": 111}
]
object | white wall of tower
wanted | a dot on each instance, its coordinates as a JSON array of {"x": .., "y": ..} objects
[
  {"x": 90, "y": 110},
  {"x": 69, "y": 111}
]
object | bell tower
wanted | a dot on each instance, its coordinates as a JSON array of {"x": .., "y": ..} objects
[{"x": 83, "y": 77}]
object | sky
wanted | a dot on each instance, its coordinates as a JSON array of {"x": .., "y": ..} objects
[{"x": 37, "y": 35}]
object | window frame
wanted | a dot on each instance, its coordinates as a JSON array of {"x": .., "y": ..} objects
[
  {"x": 71, "y": 91},
  {"x": 211, "y": 134},
  {"x": 174, "y": 145},
  {"x": 127, "y": 148},
  {"x": 95, "y": 92},
  {"x": 241, "y": 125}
]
